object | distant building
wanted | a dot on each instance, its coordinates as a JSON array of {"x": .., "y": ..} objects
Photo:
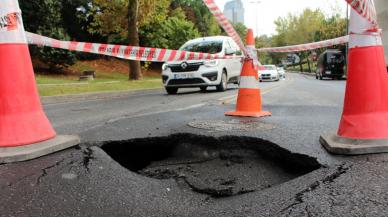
[{"x": 234, "y": 11}]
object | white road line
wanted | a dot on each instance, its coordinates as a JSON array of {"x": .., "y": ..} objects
[{"x": 230, "y": 99}]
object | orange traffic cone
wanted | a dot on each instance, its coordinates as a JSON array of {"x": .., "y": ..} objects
[
  {"x": 249, "y": 95},
  {"x": 364, "y": 124},
  {"x": 22, "y": 120}
]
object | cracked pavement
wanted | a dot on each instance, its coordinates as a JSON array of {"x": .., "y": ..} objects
[{"x": 86, "y": 181}]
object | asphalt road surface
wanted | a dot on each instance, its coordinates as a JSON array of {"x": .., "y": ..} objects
[
  {"x": 150, "y": 154},
  {"x": 76, "y": 116}
]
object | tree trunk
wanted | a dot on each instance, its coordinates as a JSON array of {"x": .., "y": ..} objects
[
  {"x": 301, "y": 66},
  {"x": 133, "y": 36},
  {"x": 301, "y": 62},
  {"x": 308, "y": 62}
]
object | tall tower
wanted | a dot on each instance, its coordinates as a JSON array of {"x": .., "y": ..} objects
[{"x": 234, "y": 11}]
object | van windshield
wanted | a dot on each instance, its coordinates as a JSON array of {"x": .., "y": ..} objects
[{"x": 212, "y": 47}]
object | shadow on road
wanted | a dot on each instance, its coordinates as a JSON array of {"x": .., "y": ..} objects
[{"x": 192, "y": 91}]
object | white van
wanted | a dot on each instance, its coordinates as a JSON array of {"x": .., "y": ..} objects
[{"x": 200, "y": 73}]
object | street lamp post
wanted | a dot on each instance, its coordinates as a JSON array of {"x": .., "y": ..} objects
[{"x": 257, "y": 2}]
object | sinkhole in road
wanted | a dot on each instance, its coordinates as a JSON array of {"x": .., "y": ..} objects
[{"x": 218, "y": 167}]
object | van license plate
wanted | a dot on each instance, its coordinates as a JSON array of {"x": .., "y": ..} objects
[
  {"x": 328, "y": 72},
  {"x": 183, "y": 76}
]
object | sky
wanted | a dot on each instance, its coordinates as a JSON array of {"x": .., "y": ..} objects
[{"x": 269, "y": 10}]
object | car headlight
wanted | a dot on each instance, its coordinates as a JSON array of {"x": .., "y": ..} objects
[
  {"x": 165, "y": 67},
  {"x": 211, "y": 63}
]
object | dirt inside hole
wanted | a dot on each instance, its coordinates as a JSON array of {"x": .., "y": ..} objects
[{"x": 218, "y": 167}]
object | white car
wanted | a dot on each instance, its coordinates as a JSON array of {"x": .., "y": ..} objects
[
  {"x": 268, "y": 73},
  {"x": 200, "y": 73}
]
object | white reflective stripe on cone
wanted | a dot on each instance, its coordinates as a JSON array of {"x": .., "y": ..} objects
[
  {"x": 364, "y": 40},
  {"x": 249, "y": 82},
  {"x": 358, "y": 37},
  {"x": 11, "y": 23}
]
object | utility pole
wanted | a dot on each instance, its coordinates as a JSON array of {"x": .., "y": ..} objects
[
  {"x": 257, "y": 2},
  {"x": 234, "y": 16}
]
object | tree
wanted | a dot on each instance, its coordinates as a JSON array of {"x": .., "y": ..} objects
[
  {"x": 198, "y": 13},
  {"x": 173, "y": 32},
  {"x": 50, "y": 25},
  {"x": 242, "y": 30},
  {"x": 76, "y": 20},
  {"x": 264, "y": 41},
  {"x": 121, "y": 20},
  {"x": 310, "y": 26},
  {"x": 299, "y": 29},
  {"x": 133, "y": 36},
  {"x": 333, "y": 27}
]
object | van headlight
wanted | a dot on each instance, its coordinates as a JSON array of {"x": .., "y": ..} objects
[
  {"x": 164, "y": 66},
  {"x": 211, "y": 63}
]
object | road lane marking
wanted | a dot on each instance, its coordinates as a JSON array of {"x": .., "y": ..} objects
[{"x": 230, "y": 99}]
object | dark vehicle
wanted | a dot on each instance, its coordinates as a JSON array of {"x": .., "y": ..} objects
[{"x": 331, "y": 64}]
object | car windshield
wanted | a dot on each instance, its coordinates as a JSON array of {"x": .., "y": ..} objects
[
  {"x": 269, "y": 67},
  {"x": 211, "y": 47}
]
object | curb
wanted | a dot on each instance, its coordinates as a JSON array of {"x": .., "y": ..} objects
[
  {"x": 47, "y": 100},
  {"x": 308, "y": 74},
  {"x": 311, "y": 74}
]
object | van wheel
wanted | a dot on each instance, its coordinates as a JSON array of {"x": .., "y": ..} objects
[
  {"x": 224, "y": 83},
  {"x": 203, "y": 89},
  {"x": 172, "y": 90},
  {"x": 316, "y": 76}
]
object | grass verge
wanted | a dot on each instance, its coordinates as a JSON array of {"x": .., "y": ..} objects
[{"x": 54, "y": 85}]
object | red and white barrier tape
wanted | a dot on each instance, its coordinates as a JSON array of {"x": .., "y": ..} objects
[
  {"x": 225, "y": 24},
  {"x": 305, "y": 47},
  {"x": 124, "y": 52},
  {"x": 253, "y": 53},
  {"x": 366, "y": 8}
]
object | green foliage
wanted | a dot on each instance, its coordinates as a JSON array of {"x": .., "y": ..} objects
[
  {"x": 300, "y": 29},
  {"x": 197, "y": 12},
  {"x": 173, "y": 33},
  {"x": 45, "y": 17},
  {"x": 41, "y": 14},
  {"x": 266, "y": 58},
  {"x": 110, "y": 17},
  {"x": 76, "y": 20},
  {"x": 333, "y": 27},
  {"x": 309, "y": 26},
  {"x": 242, "y": 30},
  {"x": 56, "y": 59}
]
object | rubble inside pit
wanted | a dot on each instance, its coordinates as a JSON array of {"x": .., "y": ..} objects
[{"x": 217, "y": 167}]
